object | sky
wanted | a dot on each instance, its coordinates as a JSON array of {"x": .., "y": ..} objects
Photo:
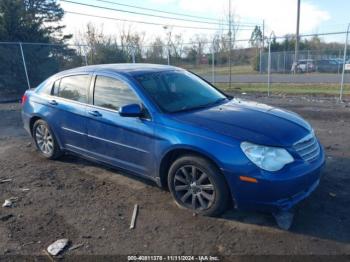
[{"x": 317, "y": 16}]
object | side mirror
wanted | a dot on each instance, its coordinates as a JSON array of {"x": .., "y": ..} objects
[{"x": 132, "y": 110}]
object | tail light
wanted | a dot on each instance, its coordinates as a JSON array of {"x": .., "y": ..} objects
[{"x": 24, "y": 99}]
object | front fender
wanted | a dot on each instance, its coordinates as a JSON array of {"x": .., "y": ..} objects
[{"x": 224, "y": 152}]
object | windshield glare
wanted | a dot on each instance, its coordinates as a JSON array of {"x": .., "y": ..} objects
[{"x": 175, "y": 91}]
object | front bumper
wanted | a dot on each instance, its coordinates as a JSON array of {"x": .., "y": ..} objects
[{"x": 276, "y": 192}]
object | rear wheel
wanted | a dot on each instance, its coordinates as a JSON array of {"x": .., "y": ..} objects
[
  {"x": 45, "y": 140},
  {"x": 197, "y": 184}
]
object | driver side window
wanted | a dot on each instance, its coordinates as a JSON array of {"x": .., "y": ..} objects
[{"x": 112, "y": 93}]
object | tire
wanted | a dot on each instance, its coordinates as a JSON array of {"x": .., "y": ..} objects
[
  {"x": 45, "y": 140},
  {"x": 205, "y": 194}
]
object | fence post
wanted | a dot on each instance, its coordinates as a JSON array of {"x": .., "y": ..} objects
[
  {"x": 344, "y": 61},
  {"x": 268, "y": 70},
  {"x": 269, "y": 65},
  {"x": 168, "y": 54},
  {"x": 85, "y": 56},
  {"x": 260, "y": 61},
  {"x": 133, "y": 55},
  {"x": 213, "y": 64},
  {"x": 24, "y": 64},
  {"x": 339, "y": 56}
]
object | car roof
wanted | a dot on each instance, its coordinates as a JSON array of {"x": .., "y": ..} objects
[{"x": 123, "y": 69}]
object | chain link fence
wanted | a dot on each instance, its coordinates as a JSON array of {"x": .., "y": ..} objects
[
  {"x": 318, "y": 72},
  {"x": 321, "y": 61},
  {"x": 24, "y": 65}
]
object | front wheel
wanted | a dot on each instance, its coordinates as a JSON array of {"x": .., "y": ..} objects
[
  {"x": 197, "y": 184},
  {"x": 45, "y": 140}
]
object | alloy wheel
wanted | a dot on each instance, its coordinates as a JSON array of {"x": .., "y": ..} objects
[
  {"x": 193, "y": 188},
  {"x": 44, "y": 139}
]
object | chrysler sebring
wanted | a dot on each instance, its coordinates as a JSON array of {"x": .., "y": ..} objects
[{"x": 171, "y": 126}]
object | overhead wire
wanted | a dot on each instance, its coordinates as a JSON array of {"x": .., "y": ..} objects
[
  {"x": 152, "y": 15},
  {"x": 149, "y": 23},
  {"x": 173, "y": 13}
]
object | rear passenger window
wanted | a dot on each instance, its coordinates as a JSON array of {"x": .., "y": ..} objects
[
  {"x": 73, "y": 88},
  {"x": 45, "y": 87},
  {"x": 112, "y": 93}
]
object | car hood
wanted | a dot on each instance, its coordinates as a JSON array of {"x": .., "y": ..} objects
[{"x": 250, "y": 121}]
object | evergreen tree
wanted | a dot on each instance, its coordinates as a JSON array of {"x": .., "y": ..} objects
[
  {"x": 35, "y": 21},
  {"x": 256, "y": 37},
  {"x": 31, "y": 21},
  {"x": 256, "y": 40}
]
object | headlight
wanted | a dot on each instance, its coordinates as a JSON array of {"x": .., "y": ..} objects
[{"x": 265, "y": 157}]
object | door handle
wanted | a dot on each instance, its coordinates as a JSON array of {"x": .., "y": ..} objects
[
  {"x": 53, "y": 102},
  {"x": 94, "y": 113}
]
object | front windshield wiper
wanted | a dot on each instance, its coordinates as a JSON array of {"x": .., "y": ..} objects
[{"x": 217, "y": 101}]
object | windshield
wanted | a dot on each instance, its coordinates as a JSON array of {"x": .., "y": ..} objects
[{"x": 176, "y": 91}]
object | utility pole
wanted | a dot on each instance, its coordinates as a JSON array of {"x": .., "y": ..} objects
[
  {"x": 168, "y": 34},
  {"x": 230, "y": 40},
  {"x": 297, "y": 39}
]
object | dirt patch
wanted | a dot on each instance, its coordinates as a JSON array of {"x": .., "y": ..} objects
[{"x": 92, "y": 204}]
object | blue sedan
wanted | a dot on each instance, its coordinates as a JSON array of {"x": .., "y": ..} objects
[{"x": 169, "y": 125}]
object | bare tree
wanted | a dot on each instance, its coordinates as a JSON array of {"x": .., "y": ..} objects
[
  {"x": 155, "y": 52},
  {"x": 177, "y": 46},
  {"x": 99, "y": 48},
  {"x": 92, "y": 37},
  {"x": 224, "y": 40},
  {"x": 195, "y": 52},
  {"x": 131, "y": 41}
]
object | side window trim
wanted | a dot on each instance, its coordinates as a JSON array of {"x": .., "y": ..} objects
[
  {"x": 58, "y": 80},
  {"x": 92, "y": 89}
]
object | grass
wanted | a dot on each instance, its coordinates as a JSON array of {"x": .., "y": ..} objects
[
  {"x": 239, "y": 70},
  {"x": 297, "y": 89}
]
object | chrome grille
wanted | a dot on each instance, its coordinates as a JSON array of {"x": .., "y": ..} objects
[{"x": 308, "y": 147}]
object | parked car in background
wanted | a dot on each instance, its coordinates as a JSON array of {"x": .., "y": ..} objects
[
  {"x": 304, "y": 66},
  {"x": 329, "y": 65},
  {"x": 169, "y": 125}
]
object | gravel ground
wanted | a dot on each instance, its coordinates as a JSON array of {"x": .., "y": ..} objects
[{"x": 92, "y": 204}]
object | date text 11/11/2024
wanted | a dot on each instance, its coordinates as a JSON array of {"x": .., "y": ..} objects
[{"x": 173, "y": 258}]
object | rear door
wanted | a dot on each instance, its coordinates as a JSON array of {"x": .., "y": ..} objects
[
  {"x": 68, "y": 100},
  {"x": 126, "y": 142}
]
